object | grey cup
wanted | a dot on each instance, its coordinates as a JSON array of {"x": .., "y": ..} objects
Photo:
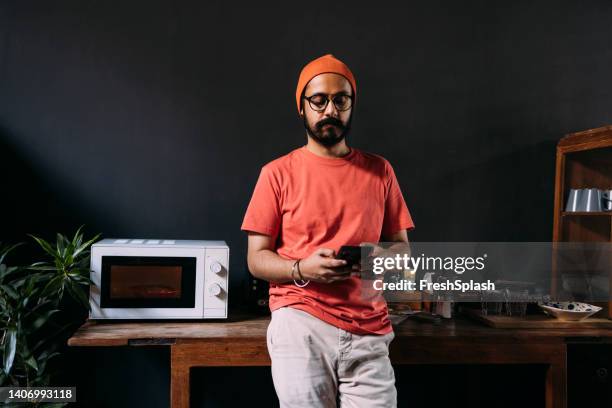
[
  {"x": 575, "y": 196},
  {"x": 590, "y": 200},
  {"x": 606, "y": 200}
]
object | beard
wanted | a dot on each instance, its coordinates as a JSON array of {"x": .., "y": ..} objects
[{"x": 329, "y": 136}]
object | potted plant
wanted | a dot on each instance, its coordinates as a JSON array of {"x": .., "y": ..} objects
[{"x": 30, "y": 296}]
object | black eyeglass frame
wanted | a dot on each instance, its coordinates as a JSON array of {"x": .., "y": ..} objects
[{"x": 329, "y": 97}]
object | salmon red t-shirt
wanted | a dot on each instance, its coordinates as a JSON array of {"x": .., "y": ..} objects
[{"x": 305, "y": 202}]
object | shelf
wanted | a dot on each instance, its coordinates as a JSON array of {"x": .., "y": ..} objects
[
  {"x": 587, "y": 213},
  {"x": 584, "y": 160}
]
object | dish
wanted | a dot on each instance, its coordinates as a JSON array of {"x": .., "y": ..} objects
[{"x": 569, "y": 311}]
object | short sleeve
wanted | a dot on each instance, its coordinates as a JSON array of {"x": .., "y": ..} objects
[
  {"x": 263, "y": 213},
  {"x": 397, "y": 217}
]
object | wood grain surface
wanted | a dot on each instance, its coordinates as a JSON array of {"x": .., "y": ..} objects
[{"x": 94, "y": 333}]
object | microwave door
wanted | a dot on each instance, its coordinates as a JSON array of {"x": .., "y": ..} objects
[{"x": 148, "y": 282}]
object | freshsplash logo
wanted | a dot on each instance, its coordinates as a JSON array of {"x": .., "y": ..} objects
[{"x": 429, "y": 263}]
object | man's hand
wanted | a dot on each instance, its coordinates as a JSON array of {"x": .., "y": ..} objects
[
  {"x": 321, "y": 266},
  {"x": 366, "y": 266}
]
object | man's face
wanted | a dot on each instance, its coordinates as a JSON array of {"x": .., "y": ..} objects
[{"x": 331, "y": 125}]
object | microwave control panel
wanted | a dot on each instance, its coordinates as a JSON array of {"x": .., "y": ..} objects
[{"x": 216, "y": 282}]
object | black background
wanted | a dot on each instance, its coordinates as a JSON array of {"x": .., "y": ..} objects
[{"x": 152, "y": 120}]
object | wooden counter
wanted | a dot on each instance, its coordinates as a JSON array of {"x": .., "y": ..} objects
[{"x": 241, "y": 341}]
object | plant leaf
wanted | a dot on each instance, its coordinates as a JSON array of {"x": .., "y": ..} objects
[
  {"x": 10, "y": 291},
  {"x": 56, "y": 405},
  {"x": 9, "y": 349},
  {"x": 4, "y": 252},
  {"x": 45, "y": 267},
  {"x": 83, "y": 280},
  {"x": 5, "y": 271},
  {"x": 85, "y": 246},
  {"x": 43, "y": 318},
  {"x": 78, "y": 294},
  {"x": 44, "y": 358},
  {"x": 31, "y": 361},
  {"x": 78, "y": 236},
  {"x": 45, "y": 246},
  {"x": 53, "y": 286},
  {"x": 59, "y": 244},
  {"x": 44, "y": 303}
]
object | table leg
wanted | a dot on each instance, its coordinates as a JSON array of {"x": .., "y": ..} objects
[
  {"x": 556, "y": 380},
  {"x": 179, "y": 381},
  {"x": 552, "y": 355},
  {"x": 187, "y": 353}
]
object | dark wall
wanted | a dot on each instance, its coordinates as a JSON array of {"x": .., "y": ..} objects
[{"x": 153, "y": 118}]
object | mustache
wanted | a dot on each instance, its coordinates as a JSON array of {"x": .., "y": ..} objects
[{"x": 330, "y": 121}]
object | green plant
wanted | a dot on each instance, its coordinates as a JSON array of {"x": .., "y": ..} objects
[
  {"x": 30, "y": 296},
  {"x": 69, "y": 268},
  {"x": 9, "y": 310}
]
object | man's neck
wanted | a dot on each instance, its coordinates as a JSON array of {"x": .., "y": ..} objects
[{"x": 338, "y": 150}]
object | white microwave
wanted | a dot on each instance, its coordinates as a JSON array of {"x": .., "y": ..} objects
[{"x": 159, "y": 279}]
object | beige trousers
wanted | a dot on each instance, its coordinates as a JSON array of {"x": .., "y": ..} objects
[{"x": 317, "y": 365}]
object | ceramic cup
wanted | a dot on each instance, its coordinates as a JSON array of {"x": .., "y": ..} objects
[
  {"x": 574, "y": 198},
  {"x": 590, "y": 200},
  {"x": 606, "y": 200},
  {"x": 585, "y": 200}
]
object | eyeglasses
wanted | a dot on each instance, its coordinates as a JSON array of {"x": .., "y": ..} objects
[{"x": 318, "y": 102}]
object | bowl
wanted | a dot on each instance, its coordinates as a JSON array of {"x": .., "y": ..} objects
[{"x": 569, "y": 311}]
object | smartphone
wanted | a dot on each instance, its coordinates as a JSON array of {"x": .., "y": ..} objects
[{"x": 352, "y": 254}]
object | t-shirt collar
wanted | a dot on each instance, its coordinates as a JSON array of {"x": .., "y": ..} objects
[{"x": 331, "y": 161}]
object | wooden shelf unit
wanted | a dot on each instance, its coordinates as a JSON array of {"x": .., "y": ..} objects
[
  {"x": 584, "y": 160},
  {"x": 591, "y": 214}
]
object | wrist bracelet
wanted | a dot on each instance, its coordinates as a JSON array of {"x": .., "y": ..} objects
[
  {"x": 293, "y": 270},
  {"x": 296, "y": 265},
  {"x": 298, "y": 269}
]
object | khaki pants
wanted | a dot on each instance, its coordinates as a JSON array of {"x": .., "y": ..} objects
[{"x": 317, "y": 365}]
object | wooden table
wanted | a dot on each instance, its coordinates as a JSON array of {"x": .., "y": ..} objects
[{"x": 241, "y": 341}]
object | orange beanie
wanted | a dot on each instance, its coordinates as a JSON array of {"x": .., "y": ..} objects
[{"x": 322, "y": 65}]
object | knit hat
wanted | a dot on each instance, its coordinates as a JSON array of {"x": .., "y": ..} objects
[{"x": 322, "y": 65}]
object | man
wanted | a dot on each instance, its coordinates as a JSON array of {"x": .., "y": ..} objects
[{"x": 328, "y": 343}]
